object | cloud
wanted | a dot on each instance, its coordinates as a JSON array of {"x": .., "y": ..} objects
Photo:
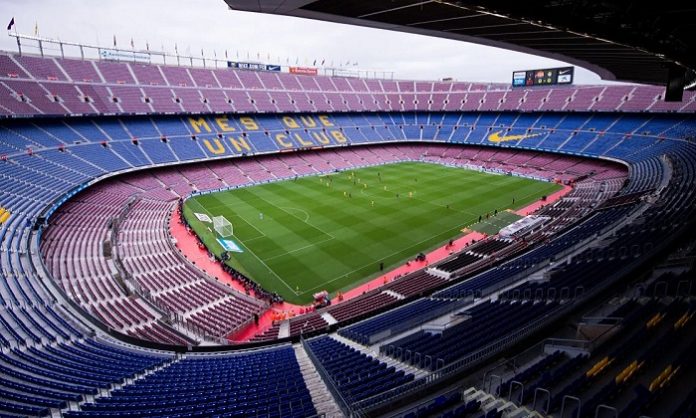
[{"x": 211, "y": 26}]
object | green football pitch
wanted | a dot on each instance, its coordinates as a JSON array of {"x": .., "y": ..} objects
[{"x": 331, "y": 232}]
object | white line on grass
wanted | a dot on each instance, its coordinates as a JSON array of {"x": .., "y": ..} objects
[
  {"x": 270, "y": 269},
  {"x": 303, "y": 221},
  {"x": 380, "y": 194},
  {"x": 254, "y": 239},
  {"x": 377, "y": 261},
  {"x": 253, "y": 253},
  {"x": 331, "y": 237},
  {"x": 297, "y": 209},
  {"x": 390, "y": 255},
  {"x": 314, "y": 244},
  {"x": 251, "y": 225}
]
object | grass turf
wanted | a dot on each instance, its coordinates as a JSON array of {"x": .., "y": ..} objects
[
  {"x": 495, "y": 223},
  {"x": 331, "y": 232}
]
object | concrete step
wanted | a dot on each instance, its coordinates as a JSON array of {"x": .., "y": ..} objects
[
  {"x": 284, "y": 330},
  {"x": 328, "y": 318},
  {"x": 490, "y": 402},
  {"x": 374, "y": 353},
  {"x": 323, "y": 400}
]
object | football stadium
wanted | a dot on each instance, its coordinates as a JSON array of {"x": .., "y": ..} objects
[{"x": 193, "y": 236}]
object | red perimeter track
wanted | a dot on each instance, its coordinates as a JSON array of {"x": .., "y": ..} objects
[{"x": 187, "y": 243}]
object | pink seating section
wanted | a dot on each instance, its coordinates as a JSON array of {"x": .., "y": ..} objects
[
  {"x": 87, "y": 274},
  {"x": 32, "y": 85},
  {"x": 201, "y": 307},
  {"x": 176, "y": 287},
  {"x": 546, "y": 166}
]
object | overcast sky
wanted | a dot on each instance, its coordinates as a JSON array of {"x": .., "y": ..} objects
[{"x": 209, "y": 25}]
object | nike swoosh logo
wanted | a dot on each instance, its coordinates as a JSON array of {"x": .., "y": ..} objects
[{"x": 495, "y": 137}]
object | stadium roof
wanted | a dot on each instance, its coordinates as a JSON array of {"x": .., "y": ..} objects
[{"x": 619, "y": 40}]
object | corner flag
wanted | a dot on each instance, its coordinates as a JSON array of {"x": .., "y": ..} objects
[{"x": 9, "y": 25}]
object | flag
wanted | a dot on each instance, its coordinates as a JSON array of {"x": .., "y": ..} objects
[
  {"x": 297, "y": 60},
  {"x": 314, "y": 63},
  {"x": 355, "y": 63},
  {"x": 225, "y": 54},
  {"x": 147, "y": 46},
  {"x": 132, "y": 44},
  {"x": 114, "y": 41},
  {"x": 201, "y": 52},
  {"x": 348, "y": 62},
  {"x": 9, "y": 25},
  {"x": 322, "y": 62},
  {"x": 36, "y": 28}
]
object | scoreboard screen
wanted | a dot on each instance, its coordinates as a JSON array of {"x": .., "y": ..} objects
[{"x": 546, "y": 77}]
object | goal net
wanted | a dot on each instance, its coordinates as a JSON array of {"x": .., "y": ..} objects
[{"x": 222, "y": 226}]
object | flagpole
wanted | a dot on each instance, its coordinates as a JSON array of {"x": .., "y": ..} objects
[
  {"x": 11, "y": 25},
  {"x": 19, "y": 43}
]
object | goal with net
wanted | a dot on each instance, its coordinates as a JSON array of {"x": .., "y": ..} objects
[{"x": 222, "y": 226}]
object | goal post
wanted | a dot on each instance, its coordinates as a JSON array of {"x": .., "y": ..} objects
[{"x": 222, "y": 226}]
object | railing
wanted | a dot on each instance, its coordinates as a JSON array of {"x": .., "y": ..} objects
[
  {"x": 330, "y": 384},
  {"x": 56, "y": 47},
  {"x": 582, "y": 345},
  {"x": 416, "y": 321},
  {"x": 162, "y": 308},
  {"x": 362, "y": 407},
  {"x": 205, "y": 275},
  {"x": 444, "y": 372},
  {"x": 115, "y": 256},
  {"x": 581, "y": 244},
  {"x": 414, "y": 408},
  {"x": 499, "y": 344}
]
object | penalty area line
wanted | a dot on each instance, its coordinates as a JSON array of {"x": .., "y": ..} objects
[{"x": 269, "y": 269}]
